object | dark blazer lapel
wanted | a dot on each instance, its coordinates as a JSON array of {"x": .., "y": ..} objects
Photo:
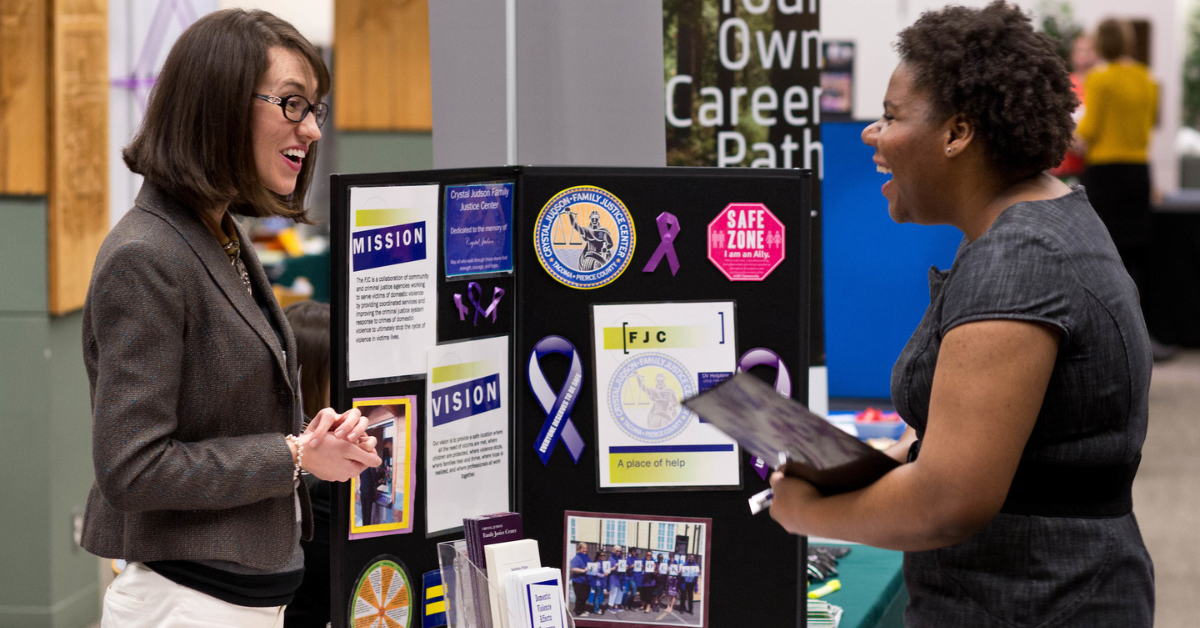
[
  {"x": 206, "y": 247},
  {"x": 258, "y": 276}
]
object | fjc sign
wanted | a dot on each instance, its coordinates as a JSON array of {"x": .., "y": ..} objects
[{"x": 746, "y": 241}]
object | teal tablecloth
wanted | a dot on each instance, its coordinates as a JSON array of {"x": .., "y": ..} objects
[{"x": 873, "y": 592}]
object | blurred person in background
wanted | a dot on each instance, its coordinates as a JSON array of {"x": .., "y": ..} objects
[
  {"x": 310, "y": 325},
  {"x": 1026, "y": 384},
  {"x": 1083, "y": 59},
  {"x": 198, "y": 440},
  {"x": 1122, "y": 110}
]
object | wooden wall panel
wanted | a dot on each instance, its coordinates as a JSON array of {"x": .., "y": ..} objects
[
  {"x": 78, "y": 218},
  {"x": 23, "y": 45},
  {"x": 381, "y": 65}
]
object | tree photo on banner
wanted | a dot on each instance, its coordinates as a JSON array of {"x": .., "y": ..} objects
[{"x": 743, "y": 83}]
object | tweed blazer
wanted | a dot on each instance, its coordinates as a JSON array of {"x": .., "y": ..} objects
[{"x": 191, "y": 398}]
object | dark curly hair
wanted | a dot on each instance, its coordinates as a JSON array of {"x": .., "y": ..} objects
[{"x": 990, "y": 66}]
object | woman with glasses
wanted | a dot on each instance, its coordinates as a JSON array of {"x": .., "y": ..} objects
[{"x": 199, "y": 439}]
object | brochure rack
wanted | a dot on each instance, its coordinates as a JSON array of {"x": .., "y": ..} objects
[
  {"x": 468, "y": 590},
  {"x": 748, "y": 552}
]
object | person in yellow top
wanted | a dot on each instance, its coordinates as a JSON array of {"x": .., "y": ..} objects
[
  {"x": 1121, "y": 112},
  {"x": 1122, "y": 102}
]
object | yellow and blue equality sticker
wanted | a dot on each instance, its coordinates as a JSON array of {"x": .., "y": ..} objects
[
  {"x": 435, "y": 601},
  {"x": 584, "y": 237}
]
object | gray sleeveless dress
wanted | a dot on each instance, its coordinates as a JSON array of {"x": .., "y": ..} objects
[{"x": 1065, "y": 550}]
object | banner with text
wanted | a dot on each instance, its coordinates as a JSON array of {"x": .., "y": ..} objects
[
  {"x": 742, "y": 87},
  {"x": 743, "y": 83}
]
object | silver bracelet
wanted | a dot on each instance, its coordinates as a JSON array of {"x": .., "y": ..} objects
[{"x": 299, "y": 455}]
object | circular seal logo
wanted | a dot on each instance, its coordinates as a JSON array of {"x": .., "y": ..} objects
[
  {"x": 584, "y": 237},
  {"x": 644, "y": 396}
]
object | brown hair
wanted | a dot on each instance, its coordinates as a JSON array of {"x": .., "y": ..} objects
[
  {"x": 196, "y": 142},
  {"x": 1114, "y": 39},
  {"x": 310, "y": 324}
]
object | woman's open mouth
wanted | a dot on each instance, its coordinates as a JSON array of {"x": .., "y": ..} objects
[
  {"x": 882, "y": 169},
  {"x": 294, "y": 161},
  {"x": 294, "y": 158}
]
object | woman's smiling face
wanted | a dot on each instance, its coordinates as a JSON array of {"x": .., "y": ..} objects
[
  {"x": 280, "y": 145},
  {"x": 909, "y": 145}
]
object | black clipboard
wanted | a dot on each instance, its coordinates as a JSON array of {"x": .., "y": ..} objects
[{"x": 782, "y": 431}]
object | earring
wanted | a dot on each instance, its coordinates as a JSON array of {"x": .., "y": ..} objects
[{"x": 947, "y": 151}]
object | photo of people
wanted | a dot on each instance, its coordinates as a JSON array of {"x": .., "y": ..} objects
[
  {"x": 382, "y": 496},
  {"x": 636, "y": 570}
]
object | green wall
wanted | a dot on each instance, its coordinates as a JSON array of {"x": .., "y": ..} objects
[
  {"x": 362, "y": 151},
  {"x": 45, "y": 453}
]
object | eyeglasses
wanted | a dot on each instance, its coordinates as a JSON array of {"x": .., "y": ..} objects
[{"x": 296, "y": 107}]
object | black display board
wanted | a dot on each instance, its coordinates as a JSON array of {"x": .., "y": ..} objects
[{"x": 756, "y": 574}]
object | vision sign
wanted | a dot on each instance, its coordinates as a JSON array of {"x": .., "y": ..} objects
[{"x": 746, "y": 241}]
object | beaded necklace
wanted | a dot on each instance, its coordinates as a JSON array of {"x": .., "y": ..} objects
[{"x": 227, "y": 235}]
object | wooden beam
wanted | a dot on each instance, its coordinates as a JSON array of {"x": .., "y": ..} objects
[
  {"x": 23, "y": 44},
  {"x": 78, "y": 218},
  {"x": 381, "y": 65}
]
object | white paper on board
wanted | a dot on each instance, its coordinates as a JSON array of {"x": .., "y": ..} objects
[
  {"x": 393, "y": 280},
  {"x": 649, "y": 357},
  {"x": 466, "y": 435}
]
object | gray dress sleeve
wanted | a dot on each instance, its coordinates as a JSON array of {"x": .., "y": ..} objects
[{"x": 1012, "y": 274}]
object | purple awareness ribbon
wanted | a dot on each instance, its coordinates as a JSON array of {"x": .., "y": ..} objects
[
  {"x": 783, "y": 385},
  {"x": 557, "y": 406},
  {"x": 668, "y": 228},
  {"x": 474, "y": 292}
]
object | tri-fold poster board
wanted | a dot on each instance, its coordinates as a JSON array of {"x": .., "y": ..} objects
[{"x": 523, "y": 338}]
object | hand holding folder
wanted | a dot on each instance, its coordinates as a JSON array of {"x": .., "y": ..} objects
[{"x": 777, "y": 428}]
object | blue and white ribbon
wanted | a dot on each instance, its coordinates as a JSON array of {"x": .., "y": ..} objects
[
  {"x": 557, "y": 406},
  {"x": 783, "y": 385}
]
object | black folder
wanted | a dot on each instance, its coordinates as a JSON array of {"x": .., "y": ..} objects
[{"x": 784, "y": 433}]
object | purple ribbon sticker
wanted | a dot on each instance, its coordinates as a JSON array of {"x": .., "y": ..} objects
[
  {"x": 783, "y": 385},
  {"x": 668, "y": 228},
  {"x": 557, "y": 406},
  {"x": 474, "y": 292}
]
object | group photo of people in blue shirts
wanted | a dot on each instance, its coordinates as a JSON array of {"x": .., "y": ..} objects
[{"x": 630, "y": 584}]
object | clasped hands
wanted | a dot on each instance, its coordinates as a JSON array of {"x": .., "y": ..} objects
[{"x": 336, "y": 446}]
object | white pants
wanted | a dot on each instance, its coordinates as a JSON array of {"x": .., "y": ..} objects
[
  {"x": 140, "y": 598},
  {"x": 615, "y": 595}
]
